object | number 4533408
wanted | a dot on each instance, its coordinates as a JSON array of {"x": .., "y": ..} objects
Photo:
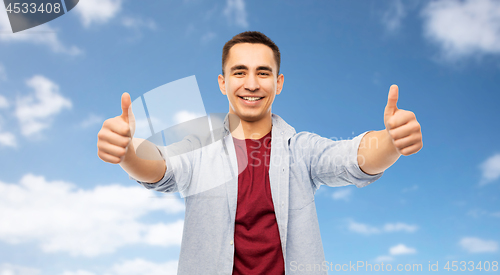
[
  {"x": 471, "y": 266},
  {"x": 33, "y": 8}
]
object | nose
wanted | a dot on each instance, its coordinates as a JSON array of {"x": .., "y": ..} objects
[{"x": 251, "y": 83}]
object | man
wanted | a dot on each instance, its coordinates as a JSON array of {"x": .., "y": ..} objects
[{"x": 257, "y": 215}]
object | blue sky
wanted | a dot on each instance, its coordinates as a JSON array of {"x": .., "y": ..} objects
[{"x": 64, "y": 211}]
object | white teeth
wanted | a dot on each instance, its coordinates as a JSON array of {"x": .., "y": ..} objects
[{"x": 251, "y": 98}]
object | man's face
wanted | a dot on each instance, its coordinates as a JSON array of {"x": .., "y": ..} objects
[{"x": 251, "y": 81}]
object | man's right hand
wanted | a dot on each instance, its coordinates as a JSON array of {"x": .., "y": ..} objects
[{"x": 115, "y": 136}]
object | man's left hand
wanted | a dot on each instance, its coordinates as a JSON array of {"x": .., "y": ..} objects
[{"x": 402, "y": 126}]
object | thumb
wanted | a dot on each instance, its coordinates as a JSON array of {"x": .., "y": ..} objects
[
  {"x": 126, "y": 102},
  {"x": 392, "y": 100}
]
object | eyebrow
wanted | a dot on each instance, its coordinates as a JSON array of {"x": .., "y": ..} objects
[
  {"x": 243, "y": 67},
  {"x": 238, "y": 67},
  {"x": 264, "y": 68}
]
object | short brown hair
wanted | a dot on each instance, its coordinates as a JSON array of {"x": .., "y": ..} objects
[{"x": 253, "y": 37}]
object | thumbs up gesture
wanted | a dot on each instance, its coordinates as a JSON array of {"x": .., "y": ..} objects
[
  {"x": 402, "y": 126},
  {"x": 115, "y": 136}
]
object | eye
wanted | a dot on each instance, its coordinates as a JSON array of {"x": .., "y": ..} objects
[
  {"x": 264, "y": 73},
  {"x": 238, "y": 73}
]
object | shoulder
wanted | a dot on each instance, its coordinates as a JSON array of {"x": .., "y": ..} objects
[
  {"x": 304, "y": 139},
  {"x": 280, "y": 126}
]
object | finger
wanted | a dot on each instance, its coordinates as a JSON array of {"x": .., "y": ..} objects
[
  {"x": 112, "y": 149},
  {"x": 114, "y": 138},
  {"x": 401, "y": 117},
  {"x": 117, "y": 126},
  {"x": 411, "y": 149},
  {"x": 405, "y": 130},
  {"x": 108, "y": 158},
  {"x": 407, "y": 141},
  {"x": 126, "y": 102},
  {"x": 392, "y": 100}
]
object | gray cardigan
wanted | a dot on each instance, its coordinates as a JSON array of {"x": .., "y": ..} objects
[{"x": 203, "y": 168}]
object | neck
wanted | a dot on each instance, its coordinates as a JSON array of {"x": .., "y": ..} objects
[{"x": 242, "y": 129}]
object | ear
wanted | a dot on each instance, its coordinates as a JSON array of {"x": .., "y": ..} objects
[
  {"x": 281, "y": 79},
  {"x": 222, "y": 84}
]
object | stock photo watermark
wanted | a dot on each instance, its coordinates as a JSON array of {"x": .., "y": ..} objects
[
  {"x": 26, "y": 14},
  {"x": 365, "y": 266}
]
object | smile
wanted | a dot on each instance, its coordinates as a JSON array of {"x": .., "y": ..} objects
[{"x": 252, "y": 99}]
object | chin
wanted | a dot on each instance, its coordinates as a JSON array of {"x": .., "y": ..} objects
[
  {"x": 252, "y": 117},
  {"x": 248, "y": 118}
]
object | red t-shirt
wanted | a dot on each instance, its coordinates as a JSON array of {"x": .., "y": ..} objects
[{"x": 257, "y": 244}]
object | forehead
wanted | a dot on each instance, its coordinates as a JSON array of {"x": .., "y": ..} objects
[{"x": 251, "y": 55}]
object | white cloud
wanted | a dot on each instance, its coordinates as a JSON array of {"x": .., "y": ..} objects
[
  {"x": 342, "y": 194},
  {"x": 7, "y": 139},
  {"x": 383, "y": 258},
  {"x": 78, "y": 272},
  {"x": 91, "y": 120},
  {"x": 134, "y": 267},
  {"x": 477, "y": 213},
  {"x": 387, "y": 228},
  {"x": 184, "y": 116},
  {"x": 140, "y": 267},
  {"x": 97, "y": 11},
  {"x": 410, "y": 189},
  {"x": 207, "y": 37},
  {"x": 137, "y": 23},
  {"x": 401, "y": 249},
  {"x": 396, "y": 227},
  {"x": 363, "y": 228},
  {"x": 394, "y": 15},
  {"x": 3, "y": 74},
  {"x": 396, "y": 250},
  {"x": 490, "y": 169},
  {"x": 161, "y": 234},
  {"x": 4, "y": 103},
  {"x": 35, "y": 112},
  {"x": 10, "y": 269},
  {"x": 463, "y": 28},
  {"x": 236, "y": 13},
  {"x": 60, "y": 217},
  {"x": 42, "y": 35},
  {"x": 476, "y": 245},
  {"x": 495, "y": 214}
]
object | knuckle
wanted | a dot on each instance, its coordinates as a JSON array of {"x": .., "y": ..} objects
[
  {"x": 397, "y": 143},
  {"x": 100, "y": 135},
  {"x": 125, "y": 143},
  {"x": 121, "y": 152},
  {"x": 107, "y": 123},
  {"x": 125, "y": 129},
  {"x": 415, "y": 127}
]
